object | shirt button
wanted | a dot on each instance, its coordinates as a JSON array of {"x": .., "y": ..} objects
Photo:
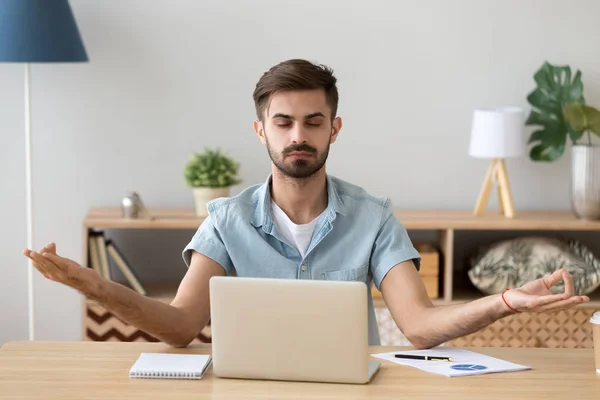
[{"x": 304, "y": 268}]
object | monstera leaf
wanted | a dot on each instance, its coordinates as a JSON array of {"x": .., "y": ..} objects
[
  {"x": 582, "y": 118},
  {"x": 555, "y": 90}
]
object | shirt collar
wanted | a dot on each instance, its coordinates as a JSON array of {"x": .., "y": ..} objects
[{"x": 262, "y": 212}]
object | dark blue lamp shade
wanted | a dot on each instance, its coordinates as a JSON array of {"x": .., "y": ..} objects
[{"x": 39, "y": 31}]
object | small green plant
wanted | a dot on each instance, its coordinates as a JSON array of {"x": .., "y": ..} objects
[
  {"x": 211, "y": 169},
  {"x": 559, "y": 111}
]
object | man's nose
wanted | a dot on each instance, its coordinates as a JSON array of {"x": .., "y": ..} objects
[{"x": 298, "y": 134}]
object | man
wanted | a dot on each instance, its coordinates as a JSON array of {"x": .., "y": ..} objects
[{"x": 303, "y": 224}]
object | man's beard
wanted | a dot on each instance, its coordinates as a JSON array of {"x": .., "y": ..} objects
[{"x": 302, "y": 168}]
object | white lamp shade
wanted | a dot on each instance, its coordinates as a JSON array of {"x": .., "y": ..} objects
[{"x": 498, "y": 133}]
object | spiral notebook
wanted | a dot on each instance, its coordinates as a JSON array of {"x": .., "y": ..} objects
[{"x": 170, "y": 366}]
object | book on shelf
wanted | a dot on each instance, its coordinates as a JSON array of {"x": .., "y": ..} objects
[
  {"x": 123, "y": 265},
  {"x": 98, "y": 256},
  {"x": 101, "y": 251},
  {"x": 103, "y": 255},
  {"x": 94, "y": 257}
]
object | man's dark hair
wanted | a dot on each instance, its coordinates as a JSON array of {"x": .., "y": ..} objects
[{"x": 294, "y": 75}]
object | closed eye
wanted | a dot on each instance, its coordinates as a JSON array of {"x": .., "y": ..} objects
[{"x": 314, "y": 121}]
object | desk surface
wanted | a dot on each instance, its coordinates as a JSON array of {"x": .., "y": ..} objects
[{"x": 65, "y": 370}]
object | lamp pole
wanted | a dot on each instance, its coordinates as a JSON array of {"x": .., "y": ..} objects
[{"x": 29, "y": 191}]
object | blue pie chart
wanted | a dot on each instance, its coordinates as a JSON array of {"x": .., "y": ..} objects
[{"x": 469, "y": 367}]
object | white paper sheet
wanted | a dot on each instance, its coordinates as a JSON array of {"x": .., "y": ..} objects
[{"x": 464, "y": 362}]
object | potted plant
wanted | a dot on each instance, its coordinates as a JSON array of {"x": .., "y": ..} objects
[
  {"x": 211, "y": 175},
  {"x": 560, "y": 113}
]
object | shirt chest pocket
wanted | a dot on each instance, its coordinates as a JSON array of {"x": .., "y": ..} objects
[{"x": 352, "y": 274}]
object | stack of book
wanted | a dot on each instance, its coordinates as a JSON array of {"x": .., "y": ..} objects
[{"x": 101, "y": 251}]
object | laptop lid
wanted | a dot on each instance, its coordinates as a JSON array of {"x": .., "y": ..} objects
[{"x": 285, "y": 329}]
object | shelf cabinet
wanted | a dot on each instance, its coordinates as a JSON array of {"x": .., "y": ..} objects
[{"x": 442, "y": 225}]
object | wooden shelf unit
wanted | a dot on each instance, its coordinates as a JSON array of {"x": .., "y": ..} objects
[
  {"x": 526, "y": 330},
  {"x": 184, "y": 218},
  {"x": 443, "y": 222}
]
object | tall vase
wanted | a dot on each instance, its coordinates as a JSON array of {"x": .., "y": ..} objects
[{"x": 585, "y": 181}]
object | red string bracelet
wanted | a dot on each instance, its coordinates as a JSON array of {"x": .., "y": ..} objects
[{"x": 503, "y": 299}]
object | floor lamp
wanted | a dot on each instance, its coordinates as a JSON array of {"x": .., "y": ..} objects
[
  {"x": 497, "y": 134},
  {"x": 37, "y": 31}
]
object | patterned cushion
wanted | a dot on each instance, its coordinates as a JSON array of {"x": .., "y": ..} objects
[{"x": 512, "y": 263}]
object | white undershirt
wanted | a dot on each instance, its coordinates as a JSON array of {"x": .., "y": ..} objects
[{"x": 297, "y": 235}]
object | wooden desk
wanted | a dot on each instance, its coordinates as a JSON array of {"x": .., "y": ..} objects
[{"x": 66, "y": 370}]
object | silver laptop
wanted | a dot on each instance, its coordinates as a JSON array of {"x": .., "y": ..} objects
[{"x": 294, "y": 330}]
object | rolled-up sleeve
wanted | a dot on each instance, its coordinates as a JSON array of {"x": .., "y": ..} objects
[
  {"x": 392, "y": 246},
  {"x": 208, "y": 242}
]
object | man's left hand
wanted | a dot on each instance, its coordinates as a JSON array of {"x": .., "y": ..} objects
[{"x": 536, "y": 296}]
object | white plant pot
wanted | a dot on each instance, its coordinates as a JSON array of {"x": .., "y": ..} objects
[{"x": 203, "y": 195}]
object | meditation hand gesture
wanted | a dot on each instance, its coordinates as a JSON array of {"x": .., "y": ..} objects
[
  {"x": 535, "y": 295},
  {"x": 58, "y": 269}
]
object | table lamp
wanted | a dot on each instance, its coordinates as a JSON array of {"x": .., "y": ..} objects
[
  {"x": 497, "y": 133},
  {"x": 37, "y": 31}
]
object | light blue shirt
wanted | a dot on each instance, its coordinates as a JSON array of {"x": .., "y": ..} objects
[{"x": 357, "y": 238}]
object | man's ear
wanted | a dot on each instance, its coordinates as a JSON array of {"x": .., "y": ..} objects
[
  {"x": 335, "y": 129},
  {"x": 260, "y": 132}
]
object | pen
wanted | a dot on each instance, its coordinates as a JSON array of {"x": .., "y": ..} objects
[{"x": 428, "y": 358}]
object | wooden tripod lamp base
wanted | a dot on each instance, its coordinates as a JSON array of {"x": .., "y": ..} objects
[{"x": 496, "y": 172}]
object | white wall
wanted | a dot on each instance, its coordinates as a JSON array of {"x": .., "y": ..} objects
[{"x": 168, "y": 78}]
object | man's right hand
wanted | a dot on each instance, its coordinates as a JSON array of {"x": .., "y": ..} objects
[
  {"x": 177, "y": 323},
  {"x": 60, "y": 269}
]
